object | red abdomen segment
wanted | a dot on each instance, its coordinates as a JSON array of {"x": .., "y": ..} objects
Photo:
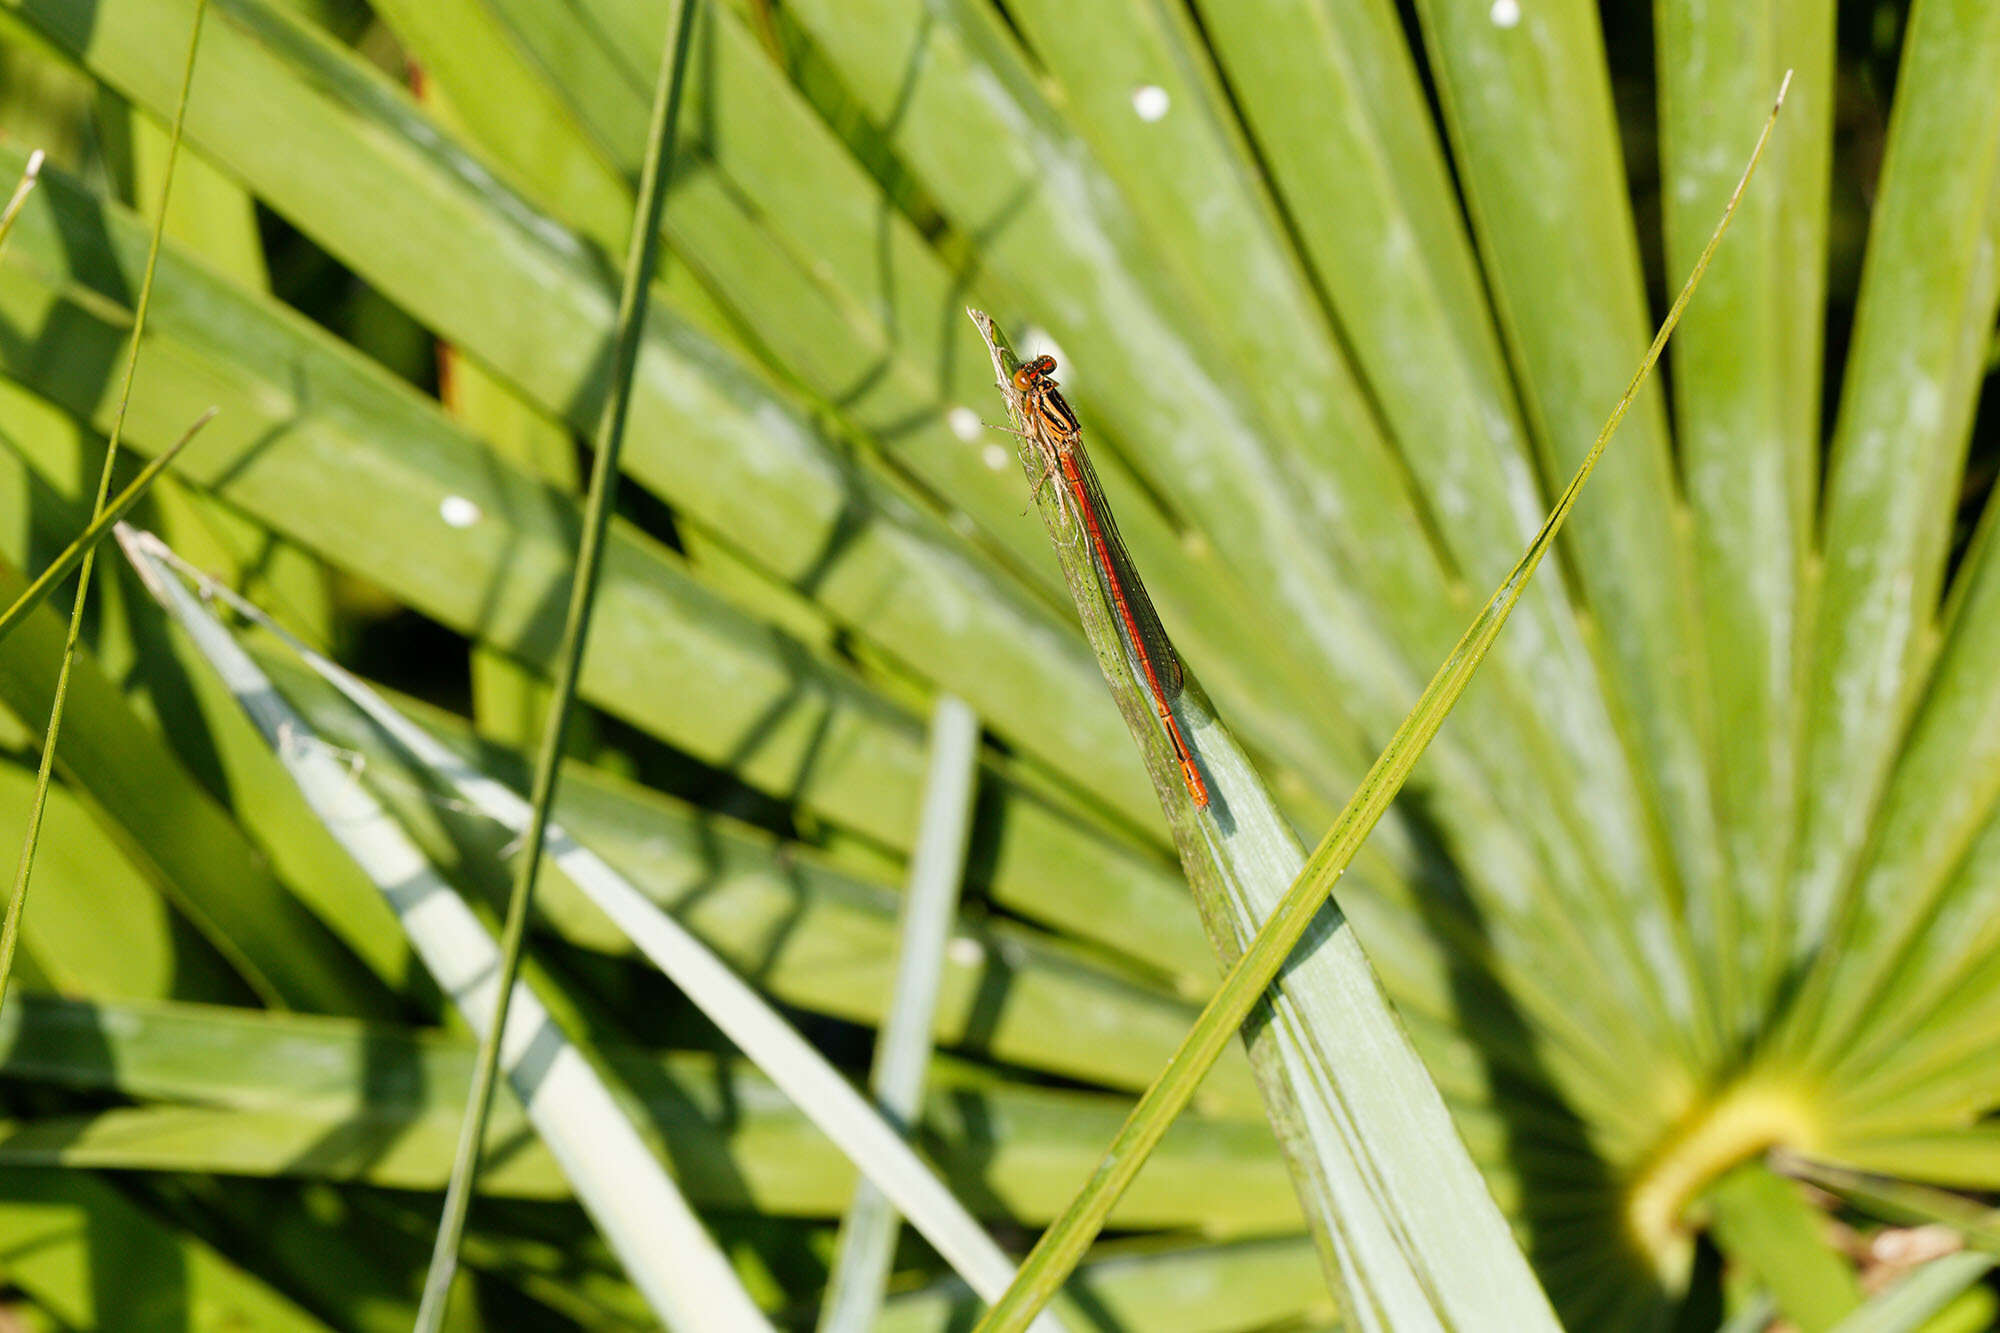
[{"x": 1149, "y": 643}]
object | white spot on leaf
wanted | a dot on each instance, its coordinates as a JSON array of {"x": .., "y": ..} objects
[{"x": 458, "y": 512}]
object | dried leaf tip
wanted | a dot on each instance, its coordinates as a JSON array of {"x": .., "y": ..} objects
[{"x": 20, "y": 195}]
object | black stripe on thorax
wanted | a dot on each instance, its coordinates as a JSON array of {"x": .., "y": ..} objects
[{"x": 1054, "y": 412}]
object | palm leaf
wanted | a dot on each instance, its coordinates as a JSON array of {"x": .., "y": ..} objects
[{"x": 1708, "y": 863}]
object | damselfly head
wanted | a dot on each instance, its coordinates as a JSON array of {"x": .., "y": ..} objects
[{"x": 1030, "y": 373}]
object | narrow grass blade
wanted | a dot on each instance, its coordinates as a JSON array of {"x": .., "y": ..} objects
[
  {"x": 643, "y": 1217},
  {"x": 1762, "y": 1222},
  {"x": 10, "y": 930},
  {"x": 99, "y": 529},
  {"x": 1060, "y": 1248},
  {"x": 640, "y": 262},
  {"x": 744, "y": 1017},
  {"x": 19, "y": 197},
  {"x": 867, "y": 1242}
]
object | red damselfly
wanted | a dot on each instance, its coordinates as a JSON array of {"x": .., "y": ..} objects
[{"x": 1054, "y": 428}]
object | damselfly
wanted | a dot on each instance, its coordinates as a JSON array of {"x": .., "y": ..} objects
[{"x": 1054, "y": 428}]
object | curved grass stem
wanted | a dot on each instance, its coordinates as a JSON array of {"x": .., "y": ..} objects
[
  {"x": 86, "y": 541},
  {"x": 10, "y": 930},
  {"x": 642, "y": 261}
]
